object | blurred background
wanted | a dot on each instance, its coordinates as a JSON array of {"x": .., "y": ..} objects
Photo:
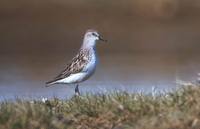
[{"x": 151, "y": 43}]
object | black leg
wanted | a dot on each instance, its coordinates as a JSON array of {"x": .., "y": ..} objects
[{"x": 77, "y": 90}]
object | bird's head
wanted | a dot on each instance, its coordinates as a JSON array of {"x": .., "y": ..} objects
[{"x": 91, "y": 36}]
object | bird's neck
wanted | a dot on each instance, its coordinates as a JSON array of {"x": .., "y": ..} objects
[
  {"x": 89, "y": 44},
  {"x": 89, "y": 48}
]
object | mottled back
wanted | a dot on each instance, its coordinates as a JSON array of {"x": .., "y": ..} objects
[{"x": 76, "y": 65}]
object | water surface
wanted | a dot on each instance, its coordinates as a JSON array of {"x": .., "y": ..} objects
[{"x": 24, "y": 76}]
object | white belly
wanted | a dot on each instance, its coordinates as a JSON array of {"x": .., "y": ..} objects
[{"x": 73, "y": 78}]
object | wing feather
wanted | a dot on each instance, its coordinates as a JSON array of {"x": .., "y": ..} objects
[{"x": 76, "y": 65}]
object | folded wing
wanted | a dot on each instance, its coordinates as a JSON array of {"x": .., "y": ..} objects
[{"x": 75, "y": 66}]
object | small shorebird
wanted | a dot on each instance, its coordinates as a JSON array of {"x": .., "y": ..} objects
[{"x": 83, "y": 65}]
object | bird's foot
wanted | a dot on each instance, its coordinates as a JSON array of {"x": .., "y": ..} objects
[{"x": 77, "y": 92}]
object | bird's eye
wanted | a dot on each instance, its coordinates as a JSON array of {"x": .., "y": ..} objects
[{"x": 94, "y": 34}]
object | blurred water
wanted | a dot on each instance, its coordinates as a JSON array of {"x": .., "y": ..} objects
[{"x": 25, "y": 77}]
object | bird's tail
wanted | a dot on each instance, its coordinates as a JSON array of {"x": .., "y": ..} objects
[{"x": 50, "y": 83}]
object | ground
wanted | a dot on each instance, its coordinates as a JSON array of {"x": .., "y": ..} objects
[{"x": 118, "y": 110}]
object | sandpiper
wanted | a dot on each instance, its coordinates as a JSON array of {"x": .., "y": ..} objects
[{"x": 83, "y": 65}]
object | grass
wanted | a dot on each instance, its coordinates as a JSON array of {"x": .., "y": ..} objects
[{"x": 176, "y": 110}]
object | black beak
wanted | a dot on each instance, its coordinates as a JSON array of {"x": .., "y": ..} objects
[{"x": 101, "y": 39}]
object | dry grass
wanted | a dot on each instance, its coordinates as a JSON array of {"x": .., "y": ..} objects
[{"x": 180, "y": 109}]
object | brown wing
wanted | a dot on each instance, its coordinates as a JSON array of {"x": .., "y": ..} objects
[{"x": 76, "y": 65}]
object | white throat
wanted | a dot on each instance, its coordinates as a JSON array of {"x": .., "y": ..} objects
[{"x": 89, "y": 43}]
